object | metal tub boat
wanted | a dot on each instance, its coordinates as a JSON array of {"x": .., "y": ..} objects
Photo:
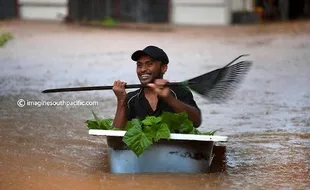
[{"x": 182, "y": 153}]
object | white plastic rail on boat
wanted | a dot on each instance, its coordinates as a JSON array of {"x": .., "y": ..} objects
[{"x": 174, "y": 136}]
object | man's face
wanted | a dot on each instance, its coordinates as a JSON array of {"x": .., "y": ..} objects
[{"x": 148, "y": 69}]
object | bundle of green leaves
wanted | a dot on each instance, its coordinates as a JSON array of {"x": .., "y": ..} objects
[{"x": 140, "y": 135}]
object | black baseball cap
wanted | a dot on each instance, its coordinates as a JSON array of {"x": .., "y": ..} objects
[{"x": 152, "y": 51}]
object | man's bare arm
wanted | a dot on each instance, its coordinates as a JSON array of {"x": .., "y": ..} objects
[{"x": 120, "y": 118}]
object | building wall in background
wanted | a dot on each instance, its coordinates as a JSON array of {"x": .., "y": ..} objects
[
  {"x": 179, "y": 12},
  {"x": 200, "y": 12},
  {"x": 43, "y": 9},
  {"x": 242, "y": 5},
  {"x": 194, "y": 12}
]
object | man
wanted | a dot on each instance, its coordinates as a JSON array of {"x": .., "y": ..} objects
[{"x": 152, "y": 63}]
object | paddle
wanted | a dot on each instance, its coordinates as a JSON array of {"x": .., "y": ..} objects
[{"x": 216, "y": 85}]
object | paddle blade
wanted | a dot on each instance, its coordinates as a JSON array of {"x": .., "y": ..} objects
[{"x": 219, "y": 84}]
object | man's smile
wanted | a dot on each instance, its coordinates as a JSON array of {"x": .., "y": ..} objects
[{"x": 145, "y": 76}]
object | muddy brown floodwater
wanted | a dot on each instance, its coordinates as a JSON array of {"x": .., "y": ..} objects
[{"x": 48, "y": 147}]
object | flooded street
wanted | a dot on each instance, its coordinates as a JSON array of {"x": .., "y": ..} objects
[{"x": 48, "y": 147}]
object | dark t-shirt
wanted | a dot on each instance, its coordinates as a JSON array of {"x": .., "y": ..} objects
[{"x": 139, "y": 107}]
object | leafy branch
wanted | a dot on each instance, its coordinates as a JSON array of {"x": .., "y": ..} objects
[{"x": 4, "y": 38}]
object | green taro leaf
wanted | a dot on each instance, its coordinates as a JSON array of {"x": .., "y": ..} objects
[
  {"x": 186, "y": 127},
  {"x": 174, "y": 121},
  {"x": 162, "y": 132},
  {"x": 195, "y": 131},
  {"x": 106, "y": 124},
  {"x": 211, "y": 133},
  {"x": 91, "y": 124},
  {"x": 96, "y": 118},
  {"x": 137, "y": 140},
  {"x": 131, "y": 123},
  {"x": 136, "y": 122},
  {"x": 150, "y": 132},
  {"x": 150, "y": 120},
  {"x": 169, "y": 119}
]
